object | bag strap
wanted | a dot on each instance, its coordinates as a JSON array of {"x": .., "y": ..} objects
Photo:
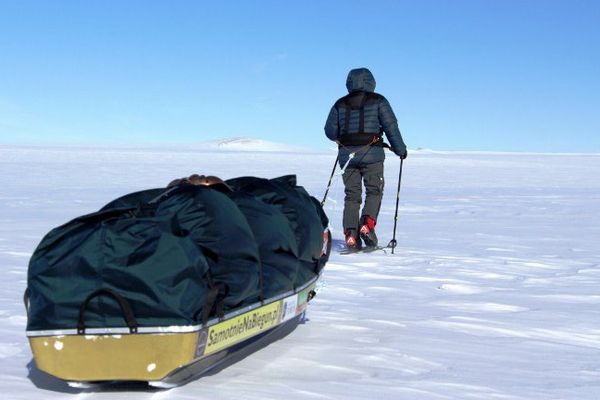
[
  {"x": 347, "y": 111},
  {"x": 26, "y": 300},
  {"x": 361, "y": 118},
  {"x": 124, "y": 304},
  {"x": 211, "y": 301}
]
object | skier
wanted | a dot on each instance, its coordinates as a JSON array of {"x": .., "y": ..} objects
[{"x": 356, "y": 123}]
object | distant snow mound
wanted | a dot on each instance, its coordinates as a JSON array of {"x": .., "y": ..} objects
[
  {"x": 423, "y": 150},
  {"x": 249, "y": 144}
]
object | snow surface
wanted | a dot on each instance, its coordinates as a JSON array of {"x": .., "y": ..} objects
[{"x": 493, "y": 293}]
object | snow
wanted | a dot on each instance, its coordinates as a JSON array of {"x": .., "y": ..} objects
[{"x": 493, "y": 293}]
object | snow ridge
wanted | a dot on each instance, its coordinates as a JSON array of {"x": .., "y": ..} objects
[{"x": 247, "y": 144}]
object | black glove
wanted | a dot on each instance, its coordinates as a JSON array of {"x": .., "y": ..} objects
[{"x": 403, "y": 155}]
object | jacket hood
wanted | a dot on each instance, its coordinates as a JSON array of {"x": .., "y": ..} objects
[{"x": 360, "y": 79}]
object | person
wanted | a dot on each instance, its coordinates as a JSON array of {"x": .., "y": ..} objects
[{"x": 356, "y": 123}]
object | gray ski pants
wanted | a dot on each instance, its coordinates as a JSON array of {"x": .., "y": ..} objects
[{"x": 354, "y": 176}]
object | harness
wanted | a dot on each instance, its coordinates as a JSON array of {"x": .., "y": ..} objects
[{"x": 356, "y": 102}]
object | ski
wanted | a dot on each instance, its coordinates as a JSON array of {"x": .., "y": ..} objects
[{"x": 363, "y": 250}]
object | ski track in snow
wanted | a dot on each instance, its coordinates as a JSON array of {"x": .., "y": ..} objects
[{"x": 493, "y": 293}]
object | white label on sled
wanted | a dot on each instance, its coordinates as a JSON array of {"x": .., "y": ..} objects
[{"x": 289, "y": 307}]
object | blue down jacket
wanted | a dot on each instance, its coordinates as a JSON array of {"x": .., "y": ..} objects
[{"x": 378, "y": 116}]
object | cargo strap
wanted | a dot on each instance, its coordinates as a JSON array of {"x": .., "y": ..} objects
[
  {"x": 26, "y": 300},
  {"x": 124, "y": 304},
  {"x": 261, "y": 283},
  {"x": 211, "y": 302}
]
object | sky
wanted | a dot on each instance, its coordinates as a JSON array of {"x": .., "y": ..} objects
[{"x": 460, "y": 75}]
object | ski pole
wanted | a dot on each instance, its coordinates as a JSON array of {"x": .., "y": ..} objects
[
  {"x": 393, "y": 242},
  {"x": 330, "y": 179}
]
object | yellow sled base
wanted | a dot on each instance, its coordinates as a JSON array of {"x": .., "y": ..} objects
[{"x": 166, "y": 356}]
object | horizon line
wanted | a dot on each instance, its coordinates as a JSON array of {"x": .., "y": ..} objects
[{"x": 193, "y": 146}]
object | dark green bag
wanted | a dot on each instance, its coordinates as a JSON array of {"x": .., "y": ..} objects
[{"x": 177, "y": 256}]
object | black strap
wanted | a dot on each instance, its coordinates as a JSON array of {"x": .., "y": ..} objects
[
  {"x": 261, "y": 283},
  {"x": 211, "y": 301},
  {"x": 124, "y": 304},
  {"x": 361, "y": 118},
  {"x": 220, "y": 309},
  {"x": 145, "y": 210},
  {"x": 361, "y": 139},
  {"x": 26, "y": 300},
  {"x": 167, "y": 193},
  {"x": 347, "y": 112}
]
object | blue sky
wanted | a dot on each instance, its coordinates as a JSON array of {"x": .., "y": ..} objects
[{"x": 460, "y": 75}]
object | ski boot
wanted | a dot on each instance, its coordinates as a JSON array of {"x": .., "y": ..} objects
[
  {"x": 352, "y": 239},
  {"x": 367, "y": 231}
]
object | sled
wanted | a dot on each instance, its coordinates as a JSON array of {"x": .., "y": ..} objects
[
  {"x": 198, "y": 271},
  {"x": 166, "y": 357}
]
